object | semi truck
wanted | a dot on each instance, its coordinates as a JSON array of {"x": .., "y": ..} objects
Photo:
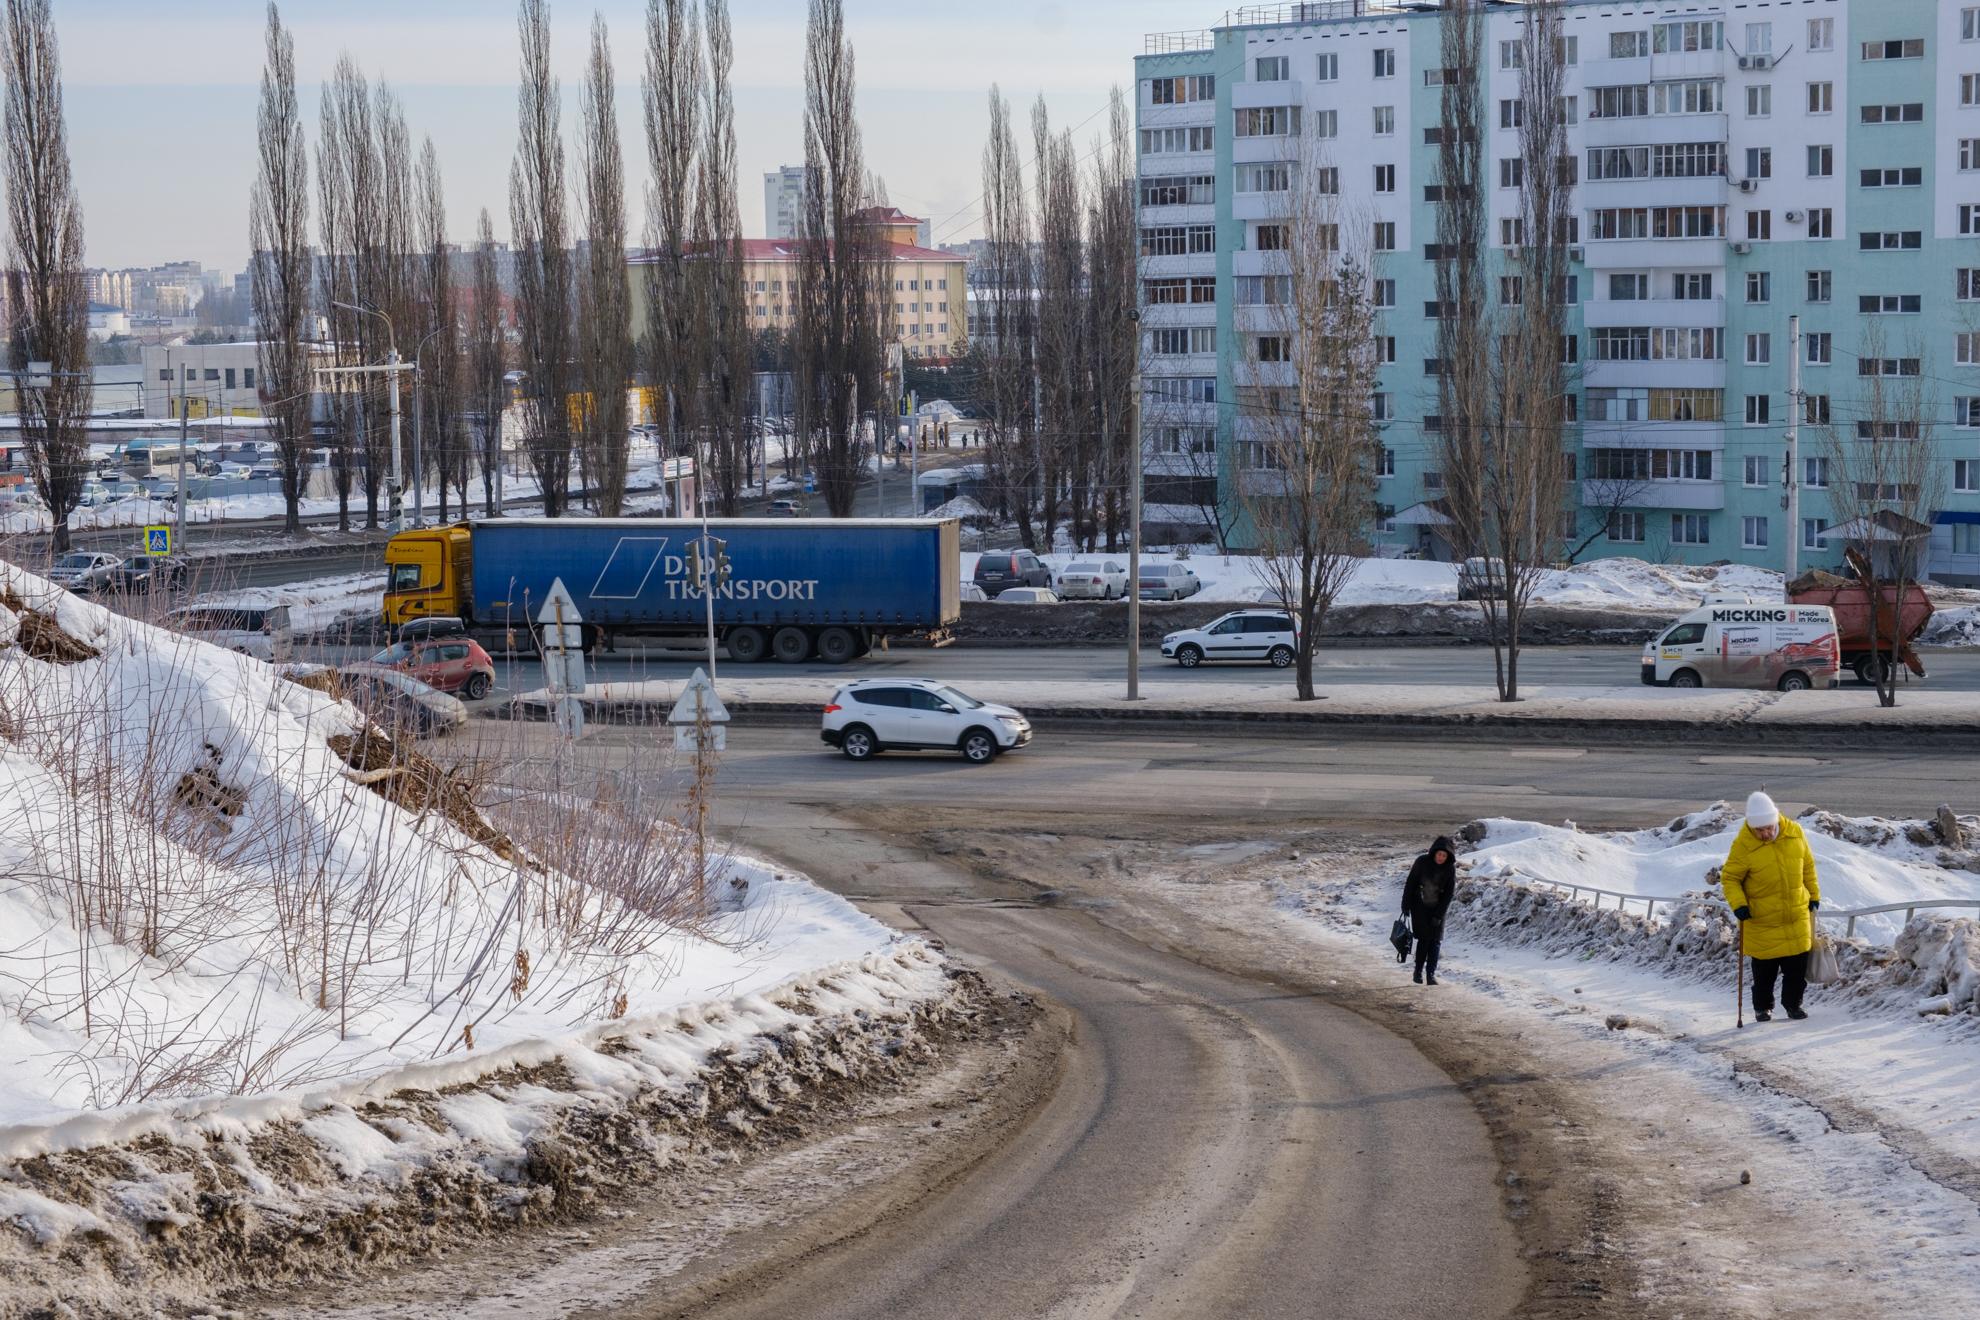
[{"x": 794, "y": 588}]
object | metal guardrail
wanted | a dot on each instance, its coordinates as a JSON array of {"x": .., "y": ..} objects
[
  {"x": 1170, "y": 43},
  {"x": 1650, "y": 902},
  {"x": 1313, "y": 11}
]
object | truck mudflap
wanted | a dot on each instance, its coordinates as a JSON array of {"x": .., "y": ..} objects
[{"x": 940, "y": 637}]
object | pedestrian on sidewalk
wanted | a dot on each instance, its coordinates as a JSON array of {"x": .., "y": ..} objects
[
  {"x": 1426, "y": 897},
  {"x": 1769, "y": 879}
]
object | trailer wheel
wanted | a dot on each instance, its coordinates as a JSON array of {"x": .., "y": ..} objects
[
  {"x": 1871, "y": 669},
  {"x": 1794, "y": 681},
  {"x": 836, "y": 646},
  {"x": 790, "y": 645},
  {"x": 746, "y": 645}
]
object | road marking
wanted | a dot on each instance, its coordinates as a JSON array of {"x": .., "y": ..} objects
[
  {"x": 1549, "y": 753},
  {"x": 1755, "y": 759}
]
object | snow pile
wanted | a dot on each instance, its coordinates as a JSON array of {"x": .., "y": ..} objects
[
  {"x": 220, "y": 883},
  {"x": 315, "y": 605},
  {"x": 1957, "y": 625},
  {"x": 1638, "y": 585},
  {"x": 1859, "y": 861}
]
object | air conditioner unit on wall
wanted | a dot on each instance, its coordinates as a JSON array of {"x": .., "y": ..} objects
[
  {"x": 1795, "y": 217},
  {"x": 1756, "y": 61},
  {"x": 1741, "y": 249},
  {"x": 1577, "y": 254},
  {"x": 1748, "y": 185}
]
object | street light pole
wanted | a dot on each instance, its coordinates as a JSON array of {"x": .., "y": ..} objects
[
  {"x": 419, "y": 414},
  {"x": 396, "y": 491},
  {"x": 1134, "y": 519},
  {"x": 185, "y": 452}
]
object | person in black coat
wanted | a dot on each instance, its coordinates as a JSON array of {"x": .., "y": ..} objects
[{"x": 1426, "y": 897}]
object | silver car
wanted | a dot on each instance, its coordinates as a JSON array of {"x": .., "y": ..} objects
[
  {"x": 84, "y": 572},
  {"x": 1168, "y": 582}
]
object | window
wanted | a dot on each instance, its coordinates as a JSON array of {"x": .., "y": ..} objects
[
  {"x": 1385, "y": 236},
  {"x": 1755, "y": 470},
  {"x": 1570, "y": 107},
  {"x": 1815, "y": 410},
  {"x": 1691, "y": 529},
  {"x": 1753, "y": 533},
  {"x": 1178, "y": 341},
  {"x": 1326, "y": 123},
  {"x": 1811, "y": 535},
  {"x": 1690, "y": 35},
  {"x": 1385, "y": 463},
  {"x": 1176, "y": 91},
  {"x": 1760, "y": 38},
  {"x": 1815, "y": 473},
  {"x": 1176, "y": 240},
  {"x": 1907, "y": 176},
  {"x": 1910, "y": 112},
  {"x": 1183, "y": 389},
  {"x": 1385, "y": 178},
  {"x": 1759, "y": 349},
  {"x": 1328, "y": 68},
  {"x": 1268, "y": 121},
  {"x": 1821, "y": 34},
  {"x": 1686, "y": 405},
  {"x": 1868, "y": 429},
  {"x": 1965, "y": 538},
  {"x": 1628, "y": 45},
  {"x": 1171, "y": 292},
  {"x": 1385, "y": 349},
  {"x": 1512, "y": 231},
  {"x": 1907, "y": 366},
  {"x": 1821, "y": 222},
  {"x": 1163, "y": 141},
  {"x": 1271, "y": 68},
  {"x": 1568, "y": 49},
  {"x": 1759, "y": 224},
  {"x": 1261, "y": 290},
  {"x": 1625, "y": 527},
  {"x": 1273, "y": 348},
  {"x": 230, "y": 378},
  {"x": 1911, "y": 48},
  {"x": 1969, "y": 24},
  {"x": 1969, "y": 219},
  {"x": 1821, "y": 161},
  {"x": 1759, "y": 162},
  {"x": 1178, "y": 190},
  {"x": 1381, "y": 407},
  {"x": 1873, "y": 304},
  {"x": 1966, "y": 287},
  {"x": 1512, "y": 54},
  {"x": 213, "y": 373},
  {"x": 1817, "y": 349},
  {"x": 1966, "y": 352},
  {"x": 1759, "y": 286},
  {"x": 1627, "y": 102},
  {"x": 1385, "y": 62},
  {"x": 1385, "y": 293},
  {"x": 1433, "y": 480},
  {"x": 1327, "y": 181},
  {"x": 1270, "y": 238},
  {"x": 1511, "y": 287},
  {"x": 1510, "y": 114},
  {"x": 1966, "y": 412},
  {"x": 165, "y": 374},
  {"x": 1821, "y": 98},
  {"x": 1758, "y": 410},
  {"x": 1693, "y": 96},
  {"x": 1759, "y": 100},
  {"x": 1385, "y": 121},
  {"x": 1445, "y": 77},
  {"x": 1264, "y": 177},
  {"x": 1632, "y": 287},
  {"x": 1512, "y": 173},
  {"x": 1966, "y": 473},
  {"x": 1890, "y": 240}
]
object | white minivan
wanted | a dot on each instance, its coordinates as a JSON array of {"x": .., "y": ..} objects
[{"x": 1789, "y": 647}]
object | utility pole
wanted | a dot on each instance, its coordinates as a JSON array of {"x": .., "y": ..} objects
[
  {"x": 396, "y": 502},
  {"x": 185, "y": 453},
  {"x": 1791, "y": 488},
  {"x": 1134, "y": 520}
]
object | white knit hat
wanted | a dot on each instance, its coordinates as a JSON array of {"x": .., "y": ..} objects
[{"x": 1761, "y": 811}]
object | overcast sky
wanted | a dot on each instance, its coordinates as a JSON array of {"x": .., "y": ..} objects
[{"x": 161, "y": 98}]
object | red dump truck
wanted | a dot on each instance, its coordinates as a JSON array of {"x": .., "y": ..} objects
[{"x": 1851, "y": 600}]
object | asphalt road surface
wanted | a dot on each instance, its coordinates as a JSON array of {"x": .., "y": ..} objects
[{"x": 1951, "y": 670}]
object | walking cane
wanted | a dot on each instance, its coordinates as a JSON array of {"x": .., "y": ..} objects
[{"x": 1739, "y": 976}]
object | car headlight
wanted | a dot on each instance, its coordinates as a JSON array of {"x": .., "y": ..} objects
[{"x": 1013, "y": 721}]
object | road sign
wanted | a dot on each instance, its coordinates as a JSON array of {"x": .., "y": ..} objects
[
  {"x": 158, "y": 540},
  {"x": 562, "y": 640},
  {"x": 559, "y": 606},
  {"x": 699, "y": 709}
]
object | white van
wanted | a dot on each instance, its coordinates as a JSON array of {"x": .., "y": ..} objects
[{"x": 1789, "y": 647}]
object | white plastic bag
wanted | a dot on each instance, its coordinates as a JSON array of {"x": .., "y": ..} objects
[{"x": 1822, "y": 968}]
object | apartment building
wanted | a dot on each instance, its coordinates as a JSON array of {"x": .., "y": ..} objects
[
  {"x": 783, "y": 201},
  {"x": 1734, "y": 164}
]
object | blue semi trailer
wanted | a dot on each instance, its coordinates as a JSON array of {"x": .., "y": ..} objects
[{"x": 796, "y": 588}]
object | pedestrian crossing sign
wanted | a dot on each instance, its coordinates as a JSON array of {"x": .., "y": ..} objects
[{"x": 158, "y": 540}]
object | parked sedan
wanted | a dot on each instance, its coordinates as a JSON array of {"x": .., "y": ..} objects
[
  {"x": 877, "y": 715},
  {"x": 141, "y": 573},
  {"x": 1028, "y": 596},
  {"x": 1266, "y": 635},
  {"x": 84, "y": 572},
  {"x": 448, "y": 664},
  {"x": 400, "y": 702},
  {"x": 1168, "y": 581},
  {"x": 999, "y": 570},
  {"x": 1093, "y": 579}
]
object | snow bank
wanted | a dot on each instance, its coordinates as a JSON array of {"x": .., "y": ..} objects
[
  {"x": 219, "y": 883},
  {"x": 316, "y": 604}
]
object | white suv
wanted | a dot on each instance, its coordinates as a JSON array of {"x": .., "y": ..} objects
[
  {"x": 881, "y": 714},
  {"x": 1266, "y": 635}
]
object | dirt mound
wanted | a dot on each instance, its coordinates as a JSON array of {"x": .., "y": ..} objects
[
  {"x": 408, "y": 778},
  {"x": 42, "y": 638}
]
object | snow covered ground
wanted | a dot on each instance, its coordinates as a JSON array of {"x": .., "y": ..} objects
[
  {"x": 316, "y": 605},
  {"x": 225, "y": 900}
]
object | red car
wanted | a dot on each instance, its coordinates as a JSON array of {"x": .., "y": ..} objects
[{"x": 451, "y": 664}]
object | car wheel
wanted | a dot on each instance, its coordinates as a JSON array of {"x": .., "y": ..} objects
[
  {"x": 1189, "y": 656},
  {"x": 1685, "y": 678},
  {"x": 836, "y": 646},
  {"x": 1794, "y": 681},
  {"x": 858, "y": 743},
  {"x": 978, "y": 747},
  {"x": 1281, "y": 657},
  {"x": 790, "y": 645},
  {"x": 477, "y": 686},
  {"x": 746, "y": 645}
]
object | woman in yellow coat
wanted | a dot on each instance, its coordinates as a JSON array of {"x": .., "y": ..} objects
[{"x": 1769, "y": 879}]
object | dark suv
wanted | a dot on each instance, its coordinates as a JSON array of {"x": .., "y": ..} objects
[{"x": 998, "y": 569}]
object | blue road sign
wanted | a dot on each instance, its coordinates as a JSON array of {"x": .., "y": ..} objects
[{"x": 158, "y": 540}]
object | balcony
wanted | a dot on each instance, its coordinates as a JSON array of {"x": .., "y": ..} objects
[
  {"x": 1691, "y": 374},
  {"x": 1249, "y": 149},
  {"x": 1258, "y": 317},
  {"x": 1170, "y": 314},
  {"x": 1630, "y": 130},
  {"x": 1606, "y": 312},
  {"x": 1602, "y": 434},
  {"x": 1257, "y": 206},
  {"x": 1281, "y": 375},
  {"x": 1262, "y": 95},
  {"x": 1260, "y": 263},
  {"x": 1709, "y": 190},
  {"x": 1649, "y": 253},
  {"x": 1604, "y": 492},
  {"x": 1193, "y": 263}
]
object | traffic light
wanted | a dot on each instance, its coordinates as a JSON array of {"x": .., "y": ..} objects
[{"x": 721, "y": 561}]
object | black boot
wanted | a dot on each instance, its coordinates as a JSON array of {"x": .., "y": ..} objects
[
  {"x": 1418, "y": 978},
  {"x": 1763, "y": 1015},
  {"x": 1797, "y": 1014},
  {"x": 1429, "y": 978}
]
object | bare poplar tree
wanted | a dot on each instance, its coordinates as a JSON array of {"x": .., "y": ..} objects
[
  {"x": 724, "y": 308},
  {"x": 1009, "y": 291},
  {"x": 1308, "y": 457},
  {"x": 1066, "y": 422},
  {"x": 543, "y": 261},
  {"x": 1885, "y": 487},
  {"x": 604, "y": 328},
  {"x": 1111, "y": 299},
  {"x": 845, "y": 282},
  {"x": 47, "y": 296},
  {"x": 487, "y": 361},
  {"x": 1465, "y": 317},
  {"x": 279, "y": 271},
  {"x": 440, "y": 338},
  {"x": 348, "y": 186},
  {"x": 672, "y": 100}
]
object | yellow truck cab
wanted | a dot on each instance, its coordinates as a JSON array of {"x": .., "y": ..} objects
[{"x": 429, "y": 574}]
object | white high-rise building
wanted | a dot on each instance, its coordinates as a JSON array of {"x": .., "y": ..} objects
[{"x": 783, "y": 201}]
